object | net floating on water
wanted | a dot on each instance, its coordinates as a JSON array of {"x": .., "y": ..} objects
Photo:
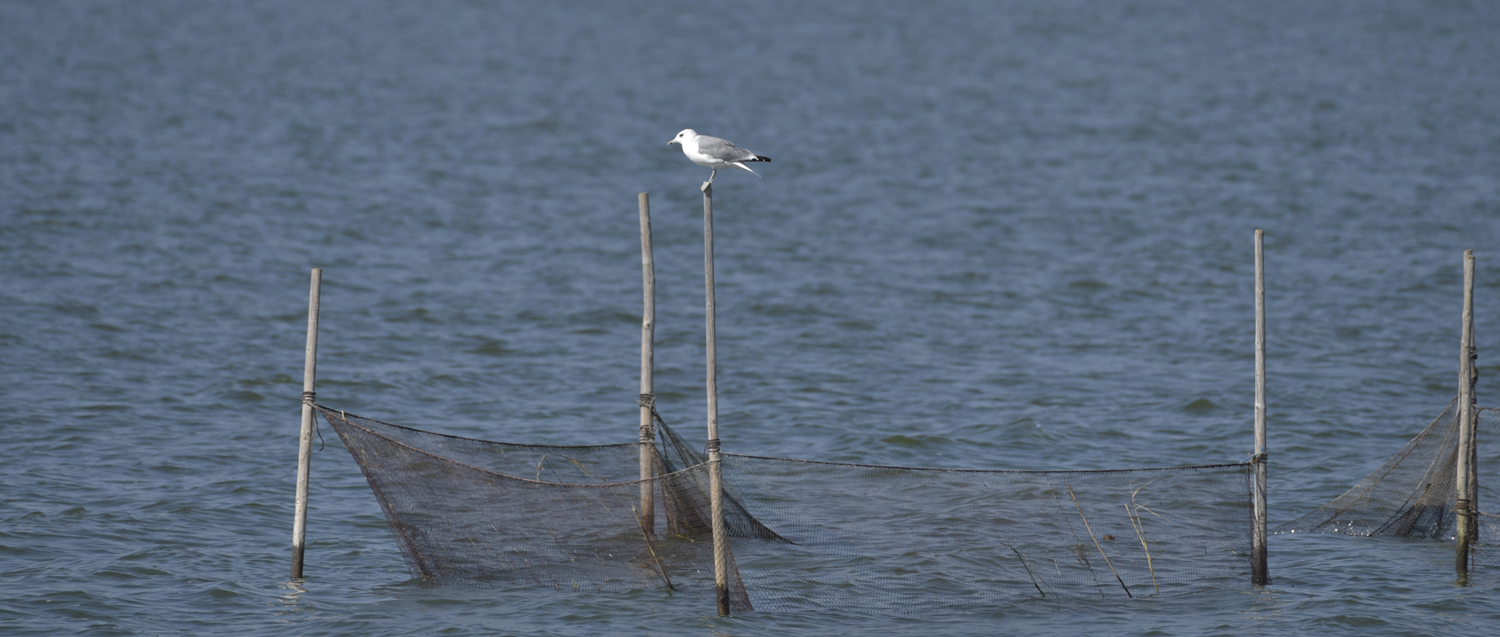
[
  {"x": 804, "y": 535},
  {"x": 1412, "y": 494}
]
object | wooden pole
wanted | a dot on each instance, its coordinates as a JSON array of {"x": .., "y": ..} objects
[
  {"x": 715, "y": 470},
  {"x": 1464, "y": 523},
  {"x": 648, "y": 344},
  {"x": 1473, "y": 406},
  {"x": 304, "y": 447},
  {"x": 1259, "y": 574}
]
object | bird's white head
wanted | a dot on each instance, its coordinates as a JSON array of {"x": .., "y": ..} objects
[{"x": 686, "y": 134}]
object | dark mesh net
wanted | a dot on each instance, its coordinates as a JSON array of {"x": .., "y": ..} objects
[
  {"x": 806, "y": 535},
  {"x": 476, "y": 513},
  {"x": 1486, "y": 547},
  {"x": 913, "y": 540},
  {"x": 1412, "y": 494}
]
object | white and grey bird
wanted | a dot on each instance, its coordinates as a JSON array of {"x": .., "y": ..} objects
[{"x": 715, "y": 153}]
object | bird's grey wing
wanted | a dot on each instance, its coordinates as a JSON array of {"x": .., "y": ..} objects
[{"x": 722, "y": 149}]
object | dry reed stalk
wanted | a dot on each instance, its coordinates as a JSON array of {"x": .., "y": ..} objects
[
  {"x": 1096, "y": 541},
  {"x": 1140, "y": 534}
]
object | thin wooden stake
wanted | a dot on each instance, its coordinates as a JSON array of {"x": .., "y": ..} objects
[
  {"x": 304, "y": 447},
  {"x": 715, "y": 470},
  {"x": 1028, "y": 570},
  {"x": 648, "y": 343},
  {"x": 1465, "y": 479},
  {"x": 1259, "y": 572},
  {"x": 1474, "y": 408},
  {"x": 1097, "y": 545},
  {"x": 647, "y": 534}
]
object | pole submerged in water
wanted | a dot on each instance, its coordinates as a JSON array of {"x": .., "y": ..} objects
[
  {"x": 1465, "y": 480},
  {"x": 715, "y": 470},
  {"x": 1259, "y": 573},
  {"x": 304, "y": 446},
  {"x": 648, "y": 344},
  {"x": 1474, "y": 415}
]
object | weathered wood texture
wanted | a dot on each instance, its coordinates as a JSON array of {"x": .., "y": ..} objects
[
  {"x": 1259, "y": 574},
  {"x": 1465, "y": 482},
  {"x": 648, "y": 357},
  {"x": 304, "y": 446},
  {"x": 716, "y": 485}
]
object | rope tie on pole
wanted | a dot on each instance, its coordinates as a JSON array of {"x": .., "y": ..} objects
[
  {"x": 648, "y": 401},
  {"x": 712, "y": 446},
  {"x": 310, "y": 399}
]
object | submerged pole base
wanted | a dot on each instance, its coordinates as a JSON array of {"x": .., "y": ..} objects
[
  {"x": 297, "y": 562},
  {"x": 1461, "y": 548},
  {"x": 1259, "y": 573},
  {"x": 722, "y": 593}
]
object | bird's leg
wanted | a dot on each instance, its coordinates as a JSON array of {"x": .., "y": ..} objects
[{"x": 710, "y": 181}]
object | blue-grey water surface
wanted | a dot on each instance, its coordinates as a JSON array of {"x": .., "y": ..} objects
[{"x": 996, "y": 235}]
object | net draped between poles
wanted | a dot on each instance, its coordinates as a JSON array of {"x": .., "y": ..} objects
[
  {"x": 1412, "y": 493},
  {"x": 804, "y": 535}
]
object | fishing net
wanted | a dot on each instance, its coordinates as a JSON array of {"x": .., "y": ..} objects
[
  {"x": 910, "y": 541},
  {"x": 804, "y": 535},
  {"x": 1412, "y": 494},
  {"x": 497, "y": 515}
]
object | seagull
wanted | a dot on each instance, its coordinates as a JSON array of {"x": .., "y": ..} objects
[{"x": 715, "y": 153}]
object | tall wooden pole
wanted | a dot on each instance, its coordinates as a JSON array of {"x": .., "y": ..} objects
[
  {"x": 1465, "y": 479},
  {"x": 304, "y": 447},
  {"x": 648, "y": 344},
  {"x": 715, "y": 471},
  {"x": 1473, "y": 408},
  {"x": 1259, "y": 574}
]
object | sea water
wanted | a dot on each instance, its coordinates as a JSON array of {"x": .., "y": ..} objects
[{"x": 995, "y": 235}]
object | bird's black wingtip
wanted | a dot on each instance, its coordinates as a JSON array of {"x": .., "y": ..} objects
[{"x": 759, "y": 158}]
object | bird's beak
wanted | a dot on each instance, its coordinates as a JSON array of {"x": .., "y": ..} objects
[{"x": 674, "y": 141}]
